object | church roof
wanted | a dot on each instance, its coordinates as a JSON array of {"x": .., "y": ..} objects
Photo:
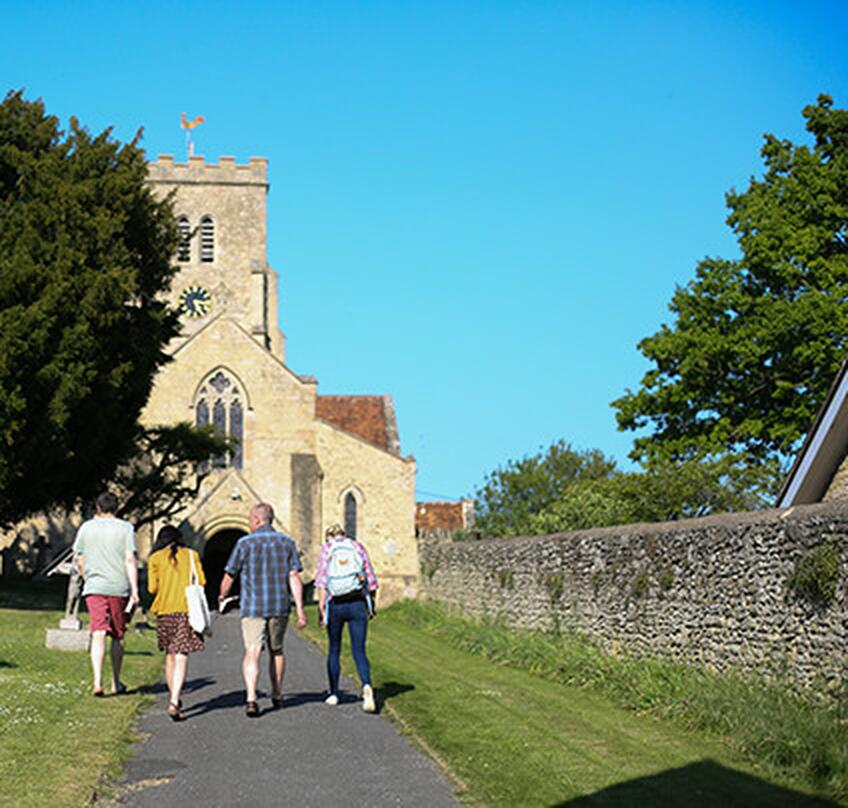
[
  {"x": 439, "y": 515},
  {"x": 823, "y": 450},
  {"x": 371, "y": 418}
]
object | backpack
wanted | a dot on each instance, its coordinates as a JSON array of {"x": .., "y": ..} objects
[{"x": 344, "y": 569}]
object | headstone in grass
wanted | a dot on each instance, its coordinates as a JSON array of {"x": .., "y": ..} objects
[{"x": 70, "y": 636}]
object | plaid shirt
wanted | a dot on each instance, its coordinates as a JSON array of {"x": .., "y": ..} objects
[{"x": 264, "y": 560}]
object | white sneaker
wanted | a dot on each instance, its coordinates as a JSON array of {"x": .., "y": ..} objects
[
  {"x": 332, "y": 700},
  {"x": 368, "y": 699}
]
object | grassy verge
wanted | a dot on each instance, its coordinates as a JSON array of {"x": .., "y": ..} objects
[
  {"x": 805, "y": 738},
  {"x": 58, "y": 746},
  {"x": 524, "y": 719}
]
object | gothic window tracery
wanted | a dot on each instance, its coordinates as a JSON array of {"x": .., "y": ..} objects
[{"x": 222, "y": 396}]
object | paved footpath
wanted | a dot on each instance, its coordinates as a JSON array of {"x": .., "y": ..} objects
[{"x": 305, "y": 754}]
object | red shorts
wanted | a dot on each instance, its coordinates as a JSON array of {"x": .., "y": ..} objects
[{"x": 107, "y": 614}]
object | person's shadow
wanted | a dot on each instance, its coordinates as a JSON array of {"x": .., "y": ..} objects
[
  {"x": 388, "y": 690},
  {"x": 189, "y": 687},
  {"x": 224, "y": 701}
]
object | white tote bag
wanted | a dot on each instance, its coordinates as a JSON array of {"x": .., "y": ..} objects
[{"x": 198, "y": 609}]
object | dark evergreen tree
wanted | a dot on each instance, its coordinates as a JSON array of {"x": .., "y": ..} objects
[{"x": 85, "y": 260}]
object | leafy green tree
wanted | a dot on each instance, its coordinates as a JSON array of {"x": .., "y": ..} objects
[
  {"x": 756, "y": 341},
  {"x": 511, "y": 495},
  {"x": 85, "y": 257},
  {"x": 666, "y": 492}
]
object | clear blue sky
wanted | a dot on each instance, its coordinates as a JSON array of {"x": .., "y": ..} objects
[{"x": 480, "y": 207}]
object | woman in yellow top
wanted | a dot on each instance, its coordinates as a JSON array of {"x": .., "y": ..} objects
[{"x": 168, "y": 575}]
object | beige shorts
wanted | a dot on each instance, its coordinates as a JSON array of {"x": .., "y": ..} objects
[{"x": 270, "y": 630}]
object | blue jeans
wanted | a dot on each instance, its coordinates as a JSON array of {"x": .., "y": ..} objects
[{"x": 355, "y": 614}]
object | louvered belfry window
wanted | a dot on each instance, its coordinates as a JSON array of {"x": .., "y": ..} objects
[
  {"x": 207, "y": 240},
  {"x": 221, "y": 396},
  {"x": 183, "y": 245}
]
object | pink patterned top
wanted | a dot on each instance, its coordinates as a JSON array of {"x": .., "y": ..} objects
[{"x": 324, "y": 557}]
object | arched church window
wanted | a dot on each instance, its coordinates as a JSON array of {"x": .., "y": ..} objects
[
  {"x": 183, "y": 245},
  {"x": 222, "y": 396},
  {"x": 207, "y": 240},
  {"x": 350, "y": 515}
]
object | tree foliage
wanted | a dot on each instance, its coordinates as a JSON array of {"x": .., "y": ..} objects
[
  {"x": 85, "y": 255},
  {"x": 166, "y": 470},
  {"x": 664, "y": 493},
  {"x": 512, "y": 495},
  {"x": 756, "y": 341},
  {"x": 560, "y": 489}
]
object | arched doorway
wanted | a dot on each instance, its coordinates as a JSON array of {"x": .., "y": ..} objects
[{"x": 215, "y": 555}]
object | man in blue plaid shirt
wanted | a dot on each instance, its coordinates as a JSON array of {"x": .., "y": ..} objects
[{"x": 270, "y": 572}]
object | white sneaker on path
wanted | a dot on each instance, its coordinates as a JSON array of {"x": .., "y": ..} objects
[
  {"x": 332, "y": 700},
  {"x": 368, "y": 699}
]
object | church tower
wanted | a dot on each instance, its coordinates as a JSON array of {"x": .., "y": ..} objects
[
  {"x": 319, "y": 460},
  {"x": 221, "y": 215}
]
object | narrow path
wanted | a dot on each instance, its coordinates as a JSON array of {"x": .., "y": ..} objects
[{"x": 307, "y": 753}]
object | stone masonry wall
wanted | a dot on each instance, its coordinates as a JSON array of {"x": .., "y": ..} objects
[{"x": 710, "y": 592}]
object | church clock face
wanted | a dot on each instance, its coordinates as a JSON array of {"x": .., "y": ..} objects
[{"x": 195, "y": 301}]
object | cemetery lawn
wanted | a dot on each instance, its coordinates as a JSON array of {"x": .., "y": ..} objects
[
  {"x": 511, "y": 737},
  {"x": 58, "y": 745}
]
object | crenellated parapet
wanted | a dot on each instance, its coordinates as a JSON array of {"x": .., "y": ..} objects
[{"x": 196, "y": 171}]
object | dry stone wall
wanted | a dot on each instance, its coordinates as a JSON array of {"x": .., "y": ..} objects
[{"x": 711, "y": 592}]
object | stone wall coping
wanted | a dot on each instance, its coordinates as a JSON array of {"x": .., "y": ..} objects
[{"x": 825, "y": 510}]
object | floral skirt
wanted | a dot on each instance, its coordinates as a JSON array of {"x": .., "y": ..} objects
[{"x": 175, "y": 635}]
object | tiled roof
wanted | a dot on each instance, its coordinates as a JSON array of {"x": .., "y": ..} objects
[
  {"x": 439, "y": 515},
  {"x": 371, "y": 418}
]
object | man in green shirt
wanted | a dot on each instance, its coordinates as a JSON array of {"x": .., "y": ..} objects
[{"x": 106, "y": 556}]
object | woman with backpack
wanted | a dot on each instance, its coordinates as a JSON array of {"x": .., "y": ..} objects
[
  {"x": 347, "y": 588},
  {"x": 171, "y": 567}
]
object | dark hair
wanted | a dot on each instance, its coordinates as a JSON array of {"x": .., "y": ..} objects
[
  {"x": 107, "y": 502},
  {"x": 169, "y": 536}
]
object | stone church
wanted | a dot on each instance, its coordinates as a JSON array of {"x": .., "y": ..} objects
[{"x": 318, "y": 460}]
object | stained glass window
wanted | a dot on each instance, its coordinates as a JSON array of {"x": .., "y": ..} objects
[
  {"x": 350, "y": 515},
  {"x": 236, "y": 430},
  {"x": 201, "y": 413},
  {"x": 219, "y": 421},
  {"x": 221, "y": 397}
]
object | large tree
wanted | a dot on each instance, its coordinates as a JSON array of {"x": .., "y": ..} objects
[
  {"x": 166, "y": 470},
  {"x": 756, "y": 341},
  {"x": 85, "y": 257},
  {"x": 512, "y": 495}
]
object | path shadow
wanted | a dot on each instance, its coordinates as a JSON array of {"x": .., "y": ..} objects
[
  {"x": 388, "y": 690},
  {"x": 189, "y": 687},
  {"x": 224, "y": 701},
  {"x": 297, "y": 699},
  {"x": 704, "y": 784}
]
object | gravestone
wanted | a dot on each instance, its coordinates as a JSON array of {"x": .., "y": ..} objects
[{"x": 70, "y": 636}]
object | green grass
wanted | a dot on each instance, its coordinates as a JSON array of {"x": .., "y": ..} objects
[
  {"x": 523, "y": 720},
  {"x": 59, "y": 746}
]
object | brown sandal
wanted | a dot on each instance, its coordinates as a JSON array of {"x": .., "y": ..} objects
[
  {"x": 251, "y": 709},
  {"x": 175, "y": 713}
]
